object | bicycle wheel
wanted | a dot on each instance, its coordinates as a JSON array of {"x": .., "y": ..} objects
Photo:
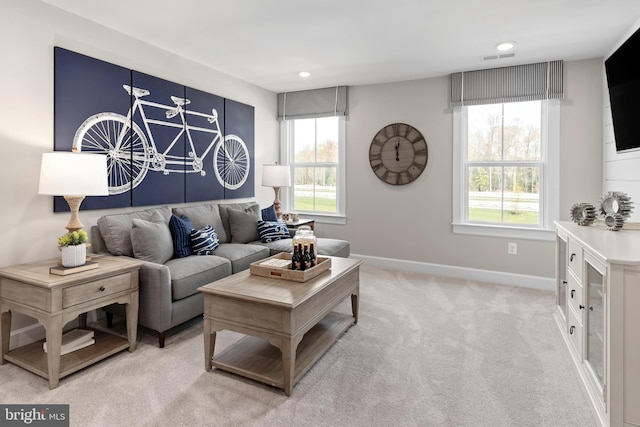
[
  {"x": 231, "y": 162},
  {"x": 127, "y": 159}
]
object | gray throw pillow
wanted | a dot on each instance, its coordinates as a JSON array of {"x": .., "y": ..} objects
[
  {"x": 243, "y": 226},
  {"x": 247, "y": 207},
  {"x": 202, "y": 215},
  {"x": 116, "y": 229},
  {"x": 151, "y": 240}
]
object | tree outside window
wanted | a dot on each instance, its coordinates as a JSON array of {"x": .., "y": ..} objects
[{"x": 504, "y": 163}]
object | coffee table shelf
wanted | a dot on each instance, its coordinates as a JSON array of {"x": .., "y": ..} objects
[{"x": 255, "y": 358}]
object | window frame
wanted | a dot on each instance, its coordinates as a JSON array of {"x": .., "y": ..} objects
[
  {"x": 549, "y": 191},
  {"x": 287, "y": 158}
]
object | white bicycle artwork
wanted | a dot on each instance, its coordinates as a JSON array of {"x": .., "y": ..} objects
[{"x": 131, "y": 153}]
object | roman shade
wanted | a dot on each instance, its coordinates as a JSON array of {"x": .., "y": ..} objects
[
  {"x": 326, "y": 102},
  {"x": 516, "y": 83}
]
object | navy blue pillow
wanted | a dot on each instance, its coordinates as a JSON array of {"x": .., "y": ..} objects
[
  {"x": 204, "y": 241},
  {"x": 269, "y": 214},
  {"x": 180, "y": 228},
  {"x": 270, "y": 231}
]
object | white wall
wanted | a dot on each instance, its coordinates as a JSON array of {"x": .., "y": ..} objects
[
  {"x": 29, "y": 30},
  {"x": 413, "y": 222},
  {"x": 621, "y": 170}
]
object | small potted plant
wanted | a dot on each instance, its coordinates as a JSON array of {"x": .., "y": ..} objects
[{"x": 73, "y": 247}]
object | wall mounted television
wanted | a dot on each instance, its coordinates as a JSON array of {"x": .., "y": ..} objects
[{"x": 623, "y": 81}]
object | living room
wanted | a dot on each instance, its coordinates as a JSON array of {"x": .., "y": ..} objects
[{"x": 376, "y": 212}]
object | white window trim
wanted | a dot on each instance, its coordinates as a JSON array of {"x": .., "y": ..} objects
[
  {"x": 286, "y": 150},
  {"x": 550, "y": 190}
]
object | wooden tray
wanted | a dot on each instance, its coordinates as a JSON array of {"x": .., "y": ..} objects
[{"x": 262, "y": 268}]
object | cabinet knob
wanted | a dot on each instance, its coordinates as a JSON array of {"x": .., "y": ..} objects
[
  {"x": 581, "y": 307},
  {"x": 572, "y": 257},
  {"x": 571, "y": 329},
  {"x": 564, "y": 282},
  {"x": 102, "y": 288},
  {"x": 573, "y": 292}
]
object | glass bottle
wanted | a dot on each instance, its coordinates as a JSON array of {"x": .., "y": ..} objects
[
  {"x": 300, "y": 261},
  {"x": 306, "y": 258},
  {"x": 295, "y": 258},
  {"x": 312, "y": 255}
]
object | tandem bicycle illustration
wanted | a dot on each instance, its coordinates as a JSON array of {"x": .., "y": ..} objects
[{"x": 132, "y": 152}]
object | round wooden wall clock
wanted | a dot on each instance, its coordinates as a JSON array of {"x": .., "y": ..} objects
[{"x": 398, "y": 154}]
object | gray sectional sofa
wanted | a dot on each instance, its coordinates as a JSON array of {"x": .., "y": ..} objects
[{"x": 168, "y": 284}]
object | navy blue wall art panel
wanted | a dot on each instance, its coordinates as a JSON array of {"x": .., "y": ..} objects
[
  {"x": 158, "y": 111},
  {"x": 237, "y": 155},
  {"x": 165, "y": 143},
  {"x": 90, "y": 107},
  {"x": 205, "y": 132}
]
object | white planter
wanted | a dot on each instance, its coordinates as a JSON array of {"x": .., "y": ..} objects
[{"x": 73, "y": 256}]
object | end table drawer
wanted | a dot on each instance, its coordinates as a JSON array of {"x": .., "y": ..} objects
[{"x": 100, "y": 288}]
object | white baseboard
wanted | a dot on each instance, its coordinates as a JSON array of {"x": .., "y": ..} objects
[{"x": 511, "y": 279}]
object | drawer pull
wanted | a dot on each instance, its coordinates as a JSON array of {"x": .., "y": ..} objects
[
  {"x": 572, "y": 257},
  {"x": 571, "y": 330},
  {"x": 573, "y": 292},
  {"x": 102, "y": 288}
]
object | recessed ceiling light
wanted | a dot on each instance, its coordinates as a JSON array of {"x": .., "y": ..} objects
[
  {"x": 304, "y": 74},
  {"x": 505, "y": 46}
]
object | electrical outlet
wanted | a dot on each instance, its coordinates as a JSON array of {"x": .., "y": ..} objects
[{"x": 512, "y": 248}]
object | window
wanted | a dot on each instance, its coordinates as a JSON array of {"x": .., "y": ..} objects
[
  {"x": 315, "y": 148},
  {"x": 505, "y": 169}
]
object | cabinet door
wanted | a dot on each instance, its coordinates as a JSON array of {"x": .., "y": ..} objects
[
  {"x": 595, "y": 312},
  {"x": 561, "y": 276}
]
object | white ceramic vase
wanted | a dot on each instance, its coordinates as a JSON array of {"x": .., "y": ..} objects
[{"x": 75, "y": 255}]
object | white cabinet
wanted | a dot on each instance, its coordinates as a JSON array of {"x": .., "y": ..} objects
[{"x": 598, "y": 313}]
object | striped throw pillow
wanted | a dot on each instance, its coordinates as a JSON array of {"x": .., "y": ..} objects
[
  {"x": 270, "y": 231},
  {"x": 204, "y": 241}
]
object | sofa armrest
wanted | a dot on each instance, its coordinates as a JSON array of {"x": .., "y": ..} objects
[{"x": 155, "y": 296}]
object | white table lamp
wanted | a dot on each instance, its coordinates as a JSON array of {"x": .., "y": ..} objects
[
  {"x": 276, "y": 176},
  {"x": 73, "y": 176}
]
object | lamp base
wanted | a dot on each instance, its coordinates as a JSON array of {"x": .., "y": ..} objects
[
  {"x": 74, "y": 205},
  {"x": 276, "y": 203}
]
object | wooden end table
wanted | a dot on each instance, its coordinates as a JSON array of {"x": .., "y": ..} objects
[
  {"x": 297, "y": 319},
  {"x": 56, "y": 300},
  {"x": 294, "y": 225}
]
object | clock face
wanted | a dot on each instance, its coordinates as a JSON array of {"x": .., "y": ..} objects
[{"x": 398, "y": 154}]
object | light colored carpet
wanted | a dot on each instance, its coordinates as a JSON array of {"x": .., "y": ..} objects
[{"x": 427, "y": 351}]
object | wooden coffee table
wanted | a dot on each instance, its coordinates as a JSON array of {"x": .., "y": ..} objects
[{"x": 294, "y": 317}]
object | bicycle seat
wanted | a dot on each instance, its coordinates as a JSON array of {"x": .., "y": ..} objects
[
  {"x": 136, "y": 91},
  {"x": 180, "y": 101}
]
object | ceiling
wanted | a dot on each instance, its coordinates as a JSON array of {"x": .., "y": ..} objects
[{"x": 359, "y": 42}]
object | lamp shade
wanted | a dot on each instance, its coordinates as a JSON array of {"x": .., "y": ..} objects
[
  {"x": 276, "y": 176},
  {"x": 73, "y": 174}
]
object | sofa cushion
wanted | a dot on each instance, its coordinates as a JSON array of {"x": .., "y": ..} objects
[
  {"x": 204, "y": 241},
  {"x": 205, "y": 214},
  {"x": 116, "y": 229},
  {"x": 247, "y": 207},
  {"x": 180, "y": 228},
  {"x": 189, "y": 273},
  {"x": 151, "y": 240},
  {"x": 325, "y": 246},
  {"x": 243, "y": 226},
  {"x": 241, "y": 255},
  {"x": 270, "y": 231}
]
